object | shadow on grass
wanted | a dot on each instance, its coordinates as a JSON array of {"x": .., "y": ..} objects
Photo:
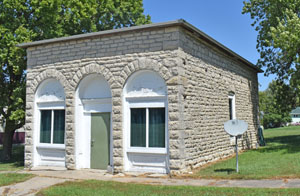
[
  {"x": 17, "y": 156},
  {"x": 287, "y": 144},
  {"x": 228, "y": 170}
]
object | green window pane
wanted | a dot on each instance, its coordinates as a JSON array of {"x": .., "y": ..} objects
[
  {"x": 157, "y": 127},
  {"x": 138, "y": 127},
  {"x": 59, "y": 127},
  {"x": 45, "y": 129}
]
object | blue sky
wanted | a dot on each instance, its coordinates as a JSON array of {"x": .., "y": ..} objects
[{"x": 220, "y": 19}]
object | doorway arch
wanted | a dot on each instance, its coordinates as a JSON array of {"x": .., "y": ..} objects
[{"x": 93, "y": 130}]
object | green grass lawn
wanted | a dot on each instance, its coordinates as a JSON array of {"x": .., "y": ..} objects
[
  {"x": 12, "y": 178},
  {"x": 280, "y": 158},
  {"x": 93, "y": 187},
  {"x": 17, "y": 161}
]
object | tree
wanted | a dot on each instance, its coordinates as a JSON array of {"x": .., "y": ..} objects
[
  {"x": 276, "y": 103},
  {"x": 278, "y": 40},
  {"x": 32, "y": 20}
]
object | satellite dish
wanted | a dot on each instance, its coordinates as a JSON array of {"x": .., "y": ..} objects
[{"x": 235, "y": 127}]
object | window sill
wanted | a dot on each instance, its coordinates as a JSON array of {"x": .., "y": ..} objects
[
  {"x": 51, "y": 146},
  {"x": 147, "y": 150}
]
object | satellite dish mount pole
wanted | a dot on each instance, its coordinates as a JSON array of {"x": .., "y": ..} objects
[
  {"x": 237, "y": 154},
  {"x": 236, "y": 128}
]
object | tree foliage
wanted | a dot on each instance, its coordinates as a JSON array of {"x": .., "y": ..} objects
[
  {"x": 276, "y": 103},
  {"x": 32, "y": 20},
  {"x": 278, "y": 40}
]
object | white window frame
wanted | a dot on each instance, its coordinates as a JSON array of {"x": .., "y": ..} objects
[
  {"x": 146, "y": 102},
  {"x": 231, "y": 97},
  {"x": 57, "y": 105}
]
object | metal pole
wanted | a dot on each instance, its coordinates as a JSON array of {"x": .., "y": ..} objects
[{"x": 237, "y": 154}]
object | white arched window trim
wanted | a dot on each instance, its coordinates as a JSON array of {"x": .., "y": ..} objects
[
  {"x": 50, "y": 105},
  {"x": 139, "y": 93},
  {"x": 145, "y": 94}
]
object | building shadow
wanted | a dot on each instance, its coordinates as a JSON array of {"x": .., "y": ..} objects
[
  {"x": 227, "y": 170},
  {"x": 287, "y": 144}
]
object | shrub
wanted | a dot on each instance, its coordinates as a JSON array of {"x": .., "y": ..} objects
[{"x": 275, "y": 120}]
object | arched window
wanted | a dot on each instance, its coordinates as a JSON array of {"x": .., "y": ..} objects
[
  {"x": 145, "y": 107},
  {"x": 49, "y": 129},
  {"x": 145, "y": 123},
  {"x": 50, "y": 100}
]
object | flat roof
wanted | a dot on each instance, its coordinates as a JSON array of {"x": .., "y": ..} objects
[{"x": 179, "y": 22}]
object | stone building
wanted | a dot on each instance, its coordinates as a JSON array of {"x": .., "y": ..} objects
[{"x": 150, "y": 98}]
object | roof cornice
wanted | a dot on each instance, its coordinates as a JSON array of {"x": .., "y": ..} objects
[{"x": 200, "y": 34}]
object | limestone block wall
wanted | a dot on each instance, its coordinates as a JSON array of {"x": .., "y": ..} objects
[
  {"x": 210, "y": 76},
  {"x": 198, "y": 80},
  {"x": 115, "y": 57}
]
